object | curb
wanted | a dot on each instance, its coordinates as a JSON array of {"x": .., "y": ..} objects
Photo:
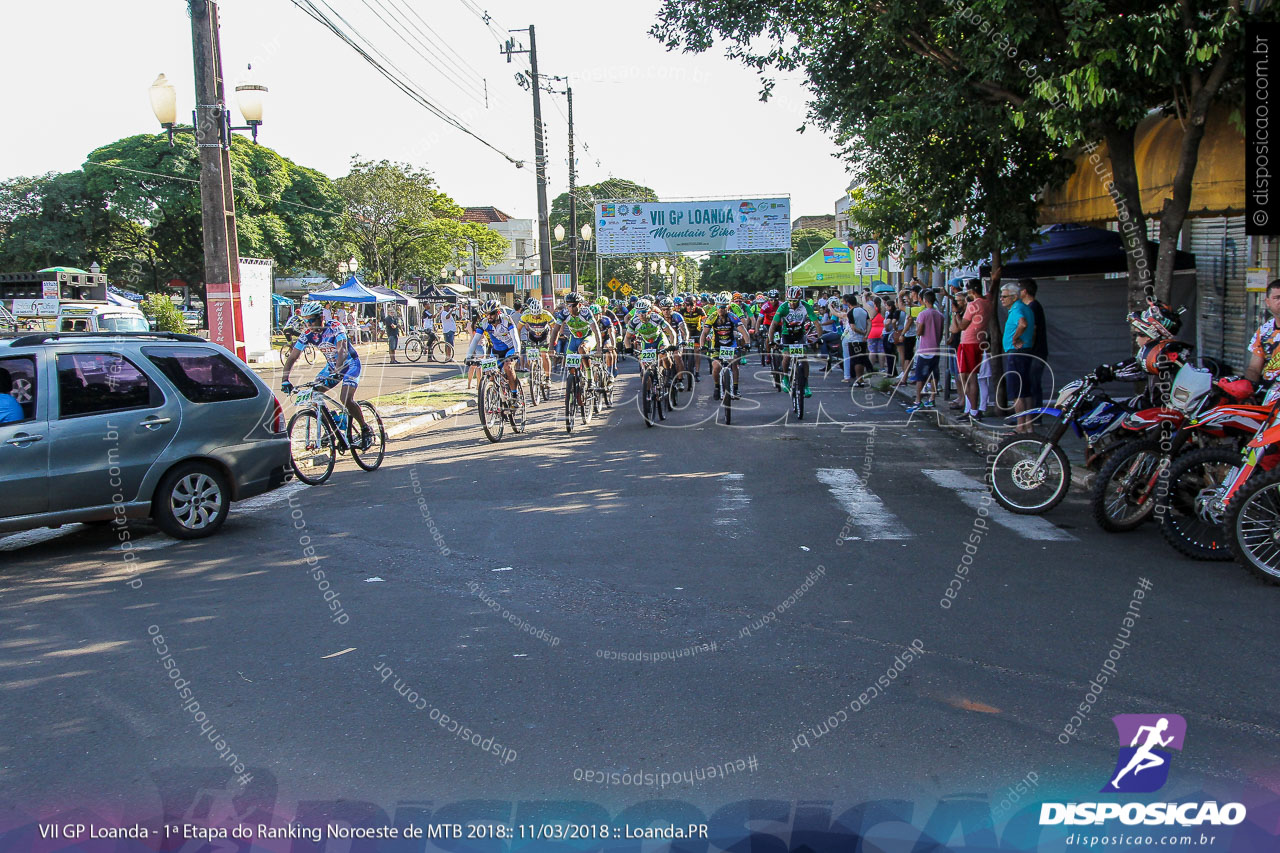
[
  {"x": 417, "y": 421},
  {"x": 982, "y": 439}
]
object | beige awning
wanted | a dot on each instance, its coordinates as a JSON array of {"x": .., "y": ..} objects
[{"x": 1216, "y": 190}]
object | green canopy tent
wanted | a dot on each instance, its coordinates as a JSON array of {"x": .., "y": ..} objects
[{"x": 831, "y": 266}]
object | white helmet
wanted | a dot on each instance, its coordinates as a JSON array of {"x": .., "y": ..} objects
[
  {"x": 312, "y": 309},
  {"x": 643, "y": 306},
  {"x": 723, "y": 300}
]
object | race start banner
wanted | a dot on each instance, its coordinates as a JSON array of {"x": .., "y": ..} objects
[{"x": 731, "y": 225}]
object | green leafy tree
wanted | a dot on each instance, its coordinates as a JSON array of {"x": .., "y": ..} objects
[
  {"x": 749, "y": 273},
  {"x": 399, "y": 223},
  {"x": 160, "y": 309}
]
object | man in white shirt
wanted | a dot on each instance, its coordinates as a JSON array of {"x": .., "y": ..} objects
[{"x": 448, "y": 323}]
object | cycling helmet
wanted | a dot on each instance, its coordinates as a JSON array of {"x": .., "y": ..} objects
[
  {"x": 661, "y": 294},
  {"x": 532, "y": 305},
  {"x": 633, "y": 300},
  {"x": 312, "y": 309},
  {"x": 573, "y": 299},
  {"x": 1158, "y": 322},
  {"x": 773, "y": 294},
  {"x": 795, "y": 291},
  {"x": 706, "y": 297},
  {"x": 492, "y": 306},
  {"x": 644, "y": 306},
  {"x": 679, "y": 300},
  {"x": 666, "y": 302},
  {"x": 595, "y": 310},
  {"x": 723, "y": 300}
]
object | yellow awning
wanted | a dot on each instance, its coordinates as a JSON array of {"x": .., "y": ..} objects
[{"x": 1216, "y": 190}]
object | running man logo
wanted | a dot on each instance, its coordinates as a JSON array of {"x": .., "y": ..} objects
[{"x": 1145, "y": 741}]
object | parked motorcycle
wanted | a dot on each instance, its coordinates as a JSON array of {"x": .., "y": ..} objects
[
  {"x": 1124, "y": 491},
  {"x": 1030, "y": 474},
  {"x": 1193, "y": 498}
]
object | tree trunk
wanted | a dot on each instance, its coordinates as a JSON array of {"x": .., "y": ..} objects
[
  {"x": 994, "y": 340},
  {"x": 1127, "y": 196},
  {"x": 1174, "y": 212}
]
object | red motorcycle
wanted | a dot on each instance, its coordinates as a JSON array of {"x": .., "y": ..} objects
[
  {"x": 1251, "y": 494},
  {"x": 1125, "y": 488},
  {"x": 1193, "y": 496}
]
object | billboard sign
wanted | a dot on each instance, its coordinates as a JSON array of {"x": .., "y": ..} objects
[
  {"x": 658, "y": 228},
  {"x": 838, "y": 255}
]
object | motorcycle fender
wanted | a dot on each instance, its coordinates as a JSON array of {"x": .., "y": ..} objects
[{"x": 1269, "y": 437}]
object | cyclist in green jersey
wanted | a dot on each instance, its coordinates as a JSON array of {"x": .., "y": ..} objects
[{"x": 791, "y": 321}]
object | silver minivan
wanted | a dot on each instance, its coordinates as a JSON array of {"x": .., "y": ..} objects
[{"x": 116, "y": 426}]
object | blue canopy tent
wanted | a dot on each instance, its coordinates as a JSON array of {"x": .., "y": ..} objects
[
  {"x": 281, "y": 308},
  {"x": 351, "y": 291},
  {"x": 1076, "y": 250}
]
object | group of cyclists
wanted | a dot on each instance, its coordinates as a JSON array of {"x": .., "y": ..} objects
[{"x": 681, "y": 329}]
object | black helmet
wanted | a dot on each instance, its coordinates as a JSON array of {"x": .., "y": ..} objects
[{"x": 573, "y": 299}]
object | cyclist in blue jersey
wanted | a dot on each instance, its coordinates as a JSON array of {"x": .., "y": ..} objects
[
  {"x": 342, "y": 363},
  {"x": 502, "y": 337}
]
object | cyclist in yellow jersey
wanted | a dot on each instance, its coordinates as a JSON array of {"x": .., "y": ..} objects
[
  {"x": 693, "y": 317},
  {"x": 535, "y": 327}
]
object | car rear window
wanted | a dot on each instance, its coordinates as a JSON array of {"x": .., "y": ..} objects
[{"x": 202, "y": 375}]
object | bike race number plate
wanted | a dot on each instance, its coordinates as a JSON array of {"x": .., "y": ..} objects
[
  {"x": 488, "y": 364},
  {"x": 795, "y": 349},
  {"x": 303, "y": 396},
  {"x": 728, "y": 353},
  {"x": 648, "y": 356},
  {"x": 573, "y": 359}
]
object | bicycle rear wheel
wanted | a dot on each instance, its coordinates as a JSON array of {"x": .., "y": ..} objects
[
  {"x": 312, "y": 447},
  {"x": 309, "y": 354},
  {"x": 516, "y": 411},
  {"x": 368, "y": 458},
  {"x": 442, "y": 351}
]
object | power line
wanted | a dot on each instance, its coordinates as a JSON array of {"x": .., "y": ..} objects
[
  {"x": 465, "y": 86},
  {"x": 169, "y": 177},
  {"x": 309, "y": 8}
]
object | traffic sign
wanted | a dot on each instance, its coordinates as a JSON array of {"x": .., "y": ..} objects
[
  {"x": 626, "y": 290},
  {"x": 613, "y": 284},
  {"x": 867, "y": 257}
]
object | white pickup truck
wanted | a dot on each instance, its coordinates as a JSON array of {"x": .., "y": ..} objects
[{"x": 78, "y": 315}]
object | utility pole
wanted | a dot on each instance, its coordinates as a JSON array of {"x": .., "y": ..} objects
[
  {"x": 540, "y": 158},
  {"x": 217, "y": 204},
  {"x": 573, "y": 202}
]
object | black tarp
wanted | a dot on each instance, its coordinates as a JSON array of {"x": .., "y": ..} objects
[
  {"x": 1076, "y": 250},
  {"x": 431, "y": 293}
]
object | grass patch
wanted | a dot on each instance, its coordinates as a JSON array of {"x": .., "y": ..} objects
[{"x": 422, "y": 399}]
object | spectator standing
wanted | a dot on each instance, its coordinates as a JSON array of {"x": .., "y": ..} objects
[
  {"x": 969, "y": 352},
  {"x": 830, "y": 319},
  {"x": 1019, "y": 333},
  {"x": 392, "y": 325},
  {"x": 1039, "y": 354},
  {"x": 929, "y": 324},
  {"x": 875, "y": 333},
  {"x": 10, "y": 409},
  {"x": 448, "y": 323},
  {"x": 854, "y": 342}
]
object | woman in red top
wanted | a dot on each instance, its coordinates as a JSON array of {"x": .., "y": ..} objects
[
  {"x": 972, "y": 343},
  {"x": 875, "y": 333}
]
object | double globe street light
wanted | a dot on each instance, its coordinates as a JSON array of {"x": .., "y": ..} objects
[{"x": 250, "y": 98}]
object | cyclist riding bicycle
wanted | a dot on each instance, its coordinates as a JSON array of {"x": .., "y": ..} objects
[
  {"x": 674, "y": 319},
  {"x": 608, "y": 326},
  {"x": 497, "y": 333},
  {"x": 580, "y": 330},
  {"x": 650, "y": 328},
  {"x": 694, "y": 317},
  {"x": 342, "y": 363},
  {"x": 535, "y": 329},
  {"x": 791, "y": 321},
  {"x": 725, "y": 330}
]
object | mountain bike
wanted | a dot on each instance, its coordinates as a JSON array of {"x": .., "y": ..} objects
[
  {"x": 650, "y": 387},
  {"x": 539, "y": 382},
  {"x": 799, "y": 377},
  {"x": 435, "y": 347},
  {"x": 308, "y": 354},
  {"x": 602, "y": 384},
  {"x": 319, "y": 431},
  {"x": 496, "y": 404},
  {"x": 576, "y": 393},
  {"x": 726, "y": 356}
]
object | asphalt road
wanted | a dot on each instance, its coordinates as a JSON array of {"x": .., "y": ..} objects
[{"x": 813, "y": 556}]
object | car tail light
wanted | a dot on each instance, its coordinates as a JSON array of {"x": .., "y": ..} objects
[{"x": 277, "y": 420}]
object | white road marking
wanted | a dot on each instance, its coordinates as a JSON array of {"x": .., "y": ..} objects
[
  {"x": 733, "y": 500},
  {"x": 335, "y": 654},
  {"x": 269, "y": 498},
  {"x": 867, "y": 513},
  {"x": 974, "y": 494}
]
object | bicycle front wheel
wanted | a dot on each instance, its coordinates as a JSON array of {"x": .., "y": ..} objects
[
  {"x": 490, "y": 406},
  {"x": 1022, "y": 483},
  {"x": 312, "y": 447},
  {"x": 570, "y": 391},
  {"x": 309, "y": 354},
  {"x": 368, "y": 458},
  {"x": 413, "y": 349}
]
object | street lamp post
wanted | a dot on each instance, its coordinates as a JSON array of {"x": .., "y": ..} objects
[{"x": 211, "y": 125}]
